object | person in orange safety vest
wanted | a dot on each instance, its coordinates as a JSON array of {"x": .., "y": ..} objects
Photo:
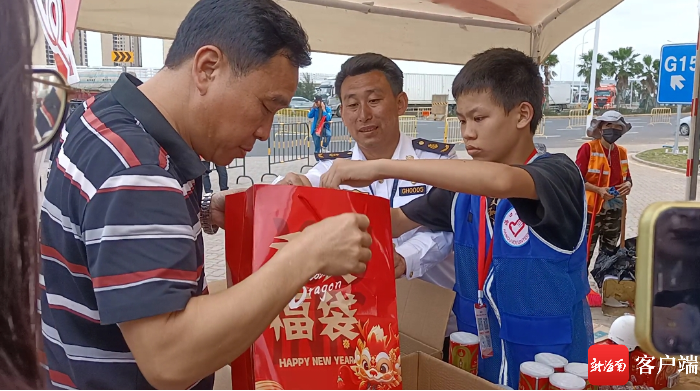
[{"x": 605, "y": 170}]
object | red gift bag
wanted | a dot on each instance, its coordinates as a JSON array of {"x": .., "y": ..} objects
[
  {"x": 338, "y": 332},
  {"x": 319, "y": 125}
]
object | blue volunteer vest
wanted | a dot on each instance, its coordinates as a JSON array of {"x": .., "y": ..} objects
[{"x": 535, "y": 292}]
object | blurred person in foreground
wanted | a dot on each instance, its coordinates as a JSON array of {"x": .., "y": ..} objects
[
  {"x": 125, "y": 302},
  {"x": 19, "y": 367},
  {"x": 370, "y": 87},
  {"x": 518, "y": 218}
]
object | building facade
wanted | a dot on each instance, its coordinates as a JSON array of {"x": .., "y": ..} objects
[
  {"x": 80, "y": 48},
  {"x": 43, "y": 55},
  {"x": 118, "y": 42}
]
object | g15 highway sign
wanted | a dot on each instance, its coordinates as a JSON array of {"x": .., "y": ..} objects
[{"x": 676, "y": 74}]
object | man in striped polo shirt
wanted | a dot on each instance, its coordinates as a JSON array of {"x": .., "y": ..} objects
[{"x": 123, "y": 301}]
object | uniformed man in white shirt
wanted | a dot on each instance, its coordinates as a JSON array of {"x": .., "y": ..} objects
[{"x": 370, "y": 87}]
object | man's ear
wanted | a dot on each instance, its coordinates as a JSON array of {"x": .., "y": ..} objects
[
  {"x": 525, "y": 113},
  {"x": 402, "y": 101},
  {"x": 207, "y": 64}
]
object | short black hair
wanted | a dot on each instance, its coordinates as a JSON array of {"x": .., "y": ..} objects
[
  {"x": 368, "y": 62},
  {"x": 249, "y": 33},
  {"x": 510, "y": 76}
]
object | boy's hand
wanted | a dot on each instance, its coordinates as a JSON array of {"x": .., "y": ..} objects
[
  {"x": 355, "y": 173},
  {"x": 624, "y": 188}
]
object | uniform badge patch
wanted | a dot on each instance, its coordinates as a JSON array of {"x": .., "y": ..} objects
[
  {"x": 413, "y": 190},
  {"x": 333, "y": 155},
  {"x": 432, "y": 146},
  {"x": 514, "y": 230}
]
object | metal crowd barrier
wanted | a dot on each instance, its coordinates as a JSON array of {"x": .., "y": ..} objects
[
  {"x": 453, "y": 131},
  {"x": 419, "y": 112},
  {"x": 540, "y": 127},
  {"x": 577, "y": 118},
  {"x": 409, "y": 125},
  {"x": 288, "y": 142},
  {"x": 340, "y": 141},
  {"x": 240, "y": 163},
  {"x": 286, "y": 116},
  {"x": 660, "y": 115}
]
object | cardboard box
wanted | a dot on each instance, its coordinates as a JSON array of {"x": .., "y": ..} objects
[
  {"x": 424, "y": 310},
  {"x": 616, "y": 294},
  {"x": 421, "y": 371}
]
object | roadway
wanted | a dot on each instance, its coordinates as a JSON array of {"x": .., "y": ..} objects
[{"x": 556, "y": 134}]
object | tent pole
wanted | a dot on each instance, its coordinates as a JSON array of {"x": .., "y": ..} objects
[{"x": 558, "y": 11}]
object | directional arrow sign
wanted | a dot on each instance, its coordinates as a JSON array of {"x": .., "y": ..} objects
[
  {"x": 677, "y": 81},
  {"x": 120, "y": 56},
  {"x": 676, "y": 74}
]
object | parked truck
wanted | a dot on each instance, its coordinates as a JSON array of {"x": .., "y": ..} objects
[
  {"x": 559, "y": 96},
  {"x": 419, "y": 87},
  {"x": 605, "y": 97}
]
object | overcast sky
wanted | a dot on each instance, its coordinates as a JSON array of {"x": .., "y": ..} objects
[{"x": 645, "y": 25}]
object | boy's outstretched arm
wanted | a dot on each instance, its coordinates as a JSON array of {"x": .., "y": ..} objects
[
  {"x": 400, "y": 223},
  {"x": 463, "y": 176}
]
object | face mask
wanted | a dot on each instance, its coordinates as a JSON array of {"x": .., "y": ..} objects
[{"x": 611, "y": 135}]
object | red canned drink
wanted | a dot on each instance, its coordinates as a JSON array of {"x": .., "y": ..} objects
[
  {"x": 534, "y": 376},
  {"x": 580, "y": 370},
  {"x": 566, "y": 381},
  {"x": 553, "y": 360},
  {"x": 464, "y": 351}
]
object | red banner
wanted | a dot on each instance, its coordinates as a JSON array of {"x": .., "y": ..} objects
[
  {"x": 338, "y": 332},
  {"x": 58, "y": 19}
]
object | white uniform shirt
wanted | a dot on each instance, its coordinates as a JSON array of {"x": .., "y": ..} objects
[{"x": 429, "y": 255}]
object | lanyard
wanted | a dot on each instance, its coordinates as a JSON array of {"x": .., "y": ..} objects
[
  {"x": 486, "y": 256},
  {"x": 393, "y": 191}
]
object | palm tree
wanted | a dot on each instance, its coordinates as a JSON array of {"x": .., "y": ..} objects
[
  {"x": 306, "y": 87},
  {"x": 624, "y": 65},
  {"x": 550, "y": 62},
  {"x": 650, "y": 75},
  {"x": 584, "y": 68}
]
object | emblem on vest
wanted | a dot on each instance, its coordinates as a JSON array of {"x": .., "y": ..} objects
[
  {"x": 359, "y": 191},
  {"x": 413, "y": 190},
  {"x": 514, "y": 230}
]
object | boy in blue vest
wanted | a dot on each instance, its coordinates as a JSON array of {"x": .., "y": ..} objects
[{"x": 518, "y": 218}]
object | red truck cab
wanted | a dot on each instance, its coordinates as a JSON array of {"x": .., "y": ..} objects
[{"x": 605, "y": 97}]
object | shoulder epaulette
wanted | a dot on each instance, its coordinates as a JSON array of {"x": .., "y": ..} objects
[
  {"x": 333, "y": 155},
  {"x": 432, "y": 146}
]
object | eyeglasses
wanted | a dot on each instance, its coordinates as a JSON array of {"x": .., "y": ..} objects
[{"x": 50, "y": 95}]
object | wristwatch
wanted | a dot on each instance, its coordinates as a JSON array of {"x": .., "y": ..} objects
[{"x": 205, "y": 215}]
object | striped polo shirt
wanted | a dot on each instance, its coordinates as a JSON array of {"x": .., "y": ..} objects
[{"x": 120, "y": 237}]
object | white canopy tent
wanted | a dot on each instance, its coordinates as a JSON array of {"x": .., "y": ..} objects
[{"x": 441, "y": 31}]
